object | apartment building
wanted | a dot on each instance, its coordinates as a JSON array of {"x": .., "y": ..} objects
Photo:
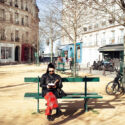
[
  {"x": 99, "y": 36},
  {"x": 18, "y": 30}
]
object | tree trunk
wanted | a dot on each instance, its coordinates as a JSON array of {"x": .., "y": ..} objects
[
  {"x": 124, "y": 65},
  {"x": 51, "y": 50},
  {"x": 74, "y": 71}
]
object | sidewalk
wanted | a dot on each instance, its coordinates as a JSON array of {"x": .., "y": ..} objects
[{"x": 98, "y": 72}]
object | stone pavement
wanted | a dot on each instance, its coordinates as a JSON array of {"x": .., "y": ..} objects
[{"x": 98, "y": 72}]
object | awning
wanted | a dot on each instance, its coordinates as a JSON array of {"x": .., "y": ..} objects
[
  {"x": 64, "y": 48},
  {"x": 116, "y": 47}
]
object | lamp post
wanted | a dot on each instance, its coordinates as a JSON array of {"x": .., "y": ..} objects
[
  {"x": 123, "y": 66},
  {"x": 36, "y": 54}
]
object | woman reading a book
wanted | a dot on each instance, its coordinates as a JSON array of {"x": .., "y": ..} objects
[{"x": 51, "y": 84}]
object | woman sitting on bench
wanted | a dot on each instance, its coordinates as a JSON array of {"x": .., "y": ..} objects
[{"x": 51, "y": 84}]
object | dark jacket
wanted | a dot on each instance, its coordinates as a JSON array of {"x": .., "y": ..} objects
[{"x": 47, "y": 78}]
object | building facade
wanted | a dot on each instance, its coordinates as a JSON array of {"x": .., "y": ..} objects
[
  {"x": 19, "y": 24},
  {"x": 94, "y": 31}
]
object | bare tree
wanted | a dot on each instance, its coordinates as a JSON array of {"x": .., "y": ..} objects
[
  {"x": 48, "y": 28},
  {"x": 71, "y": 16},
  {"x": 71, "y": 23},
  {"x": 113, "y": 10}
]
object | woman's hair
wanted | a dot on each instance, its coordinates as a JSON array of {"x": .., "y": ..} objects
[{"x": 50, "y": 65}]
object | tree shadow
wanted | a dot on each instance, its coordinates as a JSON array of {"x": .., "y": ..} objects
[
  {"x": 9, "y": 86},
  {"x": 72, "y": 107}
]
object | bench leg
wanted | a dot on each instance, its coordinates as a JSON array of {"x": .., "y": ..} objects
[
  {"x": 37, "y": 105},
  {"x": 86, "y": 105}
]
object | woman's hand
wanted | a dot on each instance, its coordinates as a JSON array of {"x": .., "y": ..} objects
[
  {"x": 54, "y": 86},
  {"x": 48, "y": 87}
]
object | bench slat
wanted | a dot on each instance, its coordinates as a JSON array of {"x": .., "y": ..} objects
[
  {"x": 68, "y": 94},
  {"x": 36, "y": 79},
  {"x": 75, "y": 97},
  {"x": 31, "y": 79}
]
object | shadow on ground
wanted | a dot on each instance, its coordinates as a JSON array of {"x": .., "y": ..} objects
[{"x": 72, "y": 107}]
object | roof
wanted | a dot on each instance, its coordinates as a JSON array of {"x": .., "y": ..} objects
[{"x": 115, "y": 47}]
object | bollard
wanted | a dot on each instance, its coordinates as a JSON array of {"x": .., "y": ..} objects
[
  {"x": 90, "y": 71},
  {"x": 104, "y": 71}
]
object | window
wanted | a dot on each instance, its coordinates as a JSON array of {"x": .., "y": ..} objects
[
  {"x": 96, "y": 26},
  {"x": 21, "y": 4},
  {"x": 26, "y": 20},
  {"x": 11, "y": 4},
  {"x": 96, "y": 40},
  {"x": 6, "y": 52},
  {"x": 22, "y": 21},
  {"x": 111, "y": 21},
  {"x": 23, "y": 38},
  {"x": 85, "y": 29},
  {"x": 103, "y": 39},
  {"x": 2, "y": 14},
  {"x": 27, "y": 37},
  {"x": 113, "y": 37},
  {"x": 17, "y": 36},
  {"x": 2, "y": 34},
  {"x": 26, "y": 7},
  {"x": 103, "y": 23},
  {"x": 12, "y": 38},
  {"x": 78, "y": 52},
  {"x": 16, "y": 3},
  {"x": 11, "y": 18},
  {"x": 16, "y": 18},
  {"x": 90, "y": 27},
  {"x": 121, "y": 36}
]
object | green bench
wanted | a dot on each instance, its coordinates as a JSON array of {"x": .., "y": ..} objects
[
  {"x": 77, "y": 95},
  {"x": 61, "y": 67}
]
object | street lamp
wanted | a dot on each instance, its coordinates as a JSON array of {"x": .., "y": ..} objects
[{"x": 36, "y": 54}]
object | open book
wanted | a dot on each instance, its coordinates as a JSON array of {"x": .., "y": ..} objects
[{"x": 51, "y": 84}]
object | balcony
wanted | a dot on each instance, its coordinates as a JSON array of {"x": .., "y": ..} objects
[{"x": 17, "y": 39}]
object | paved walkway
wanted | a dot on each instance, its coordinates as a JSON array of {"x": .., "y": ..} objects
[{"x": 97, "y": 72}]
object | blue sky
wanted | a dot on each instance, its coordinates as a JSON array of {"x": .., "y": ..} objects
[{"x": 44, "y": 4}]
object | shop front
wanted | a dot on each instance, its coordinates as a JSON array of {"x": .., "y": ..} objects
[
  {"x": 6, "y": 53},
  {"x": 113, "y": 53},
  {"x": 27, "y": 54},
  {"x": 68, "y": 50}
]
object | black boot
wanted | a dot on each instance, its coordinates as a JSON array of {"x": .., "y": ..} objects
[
  {"x": 58, "y": 112},
  {"x": 49, "y": 117}
]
